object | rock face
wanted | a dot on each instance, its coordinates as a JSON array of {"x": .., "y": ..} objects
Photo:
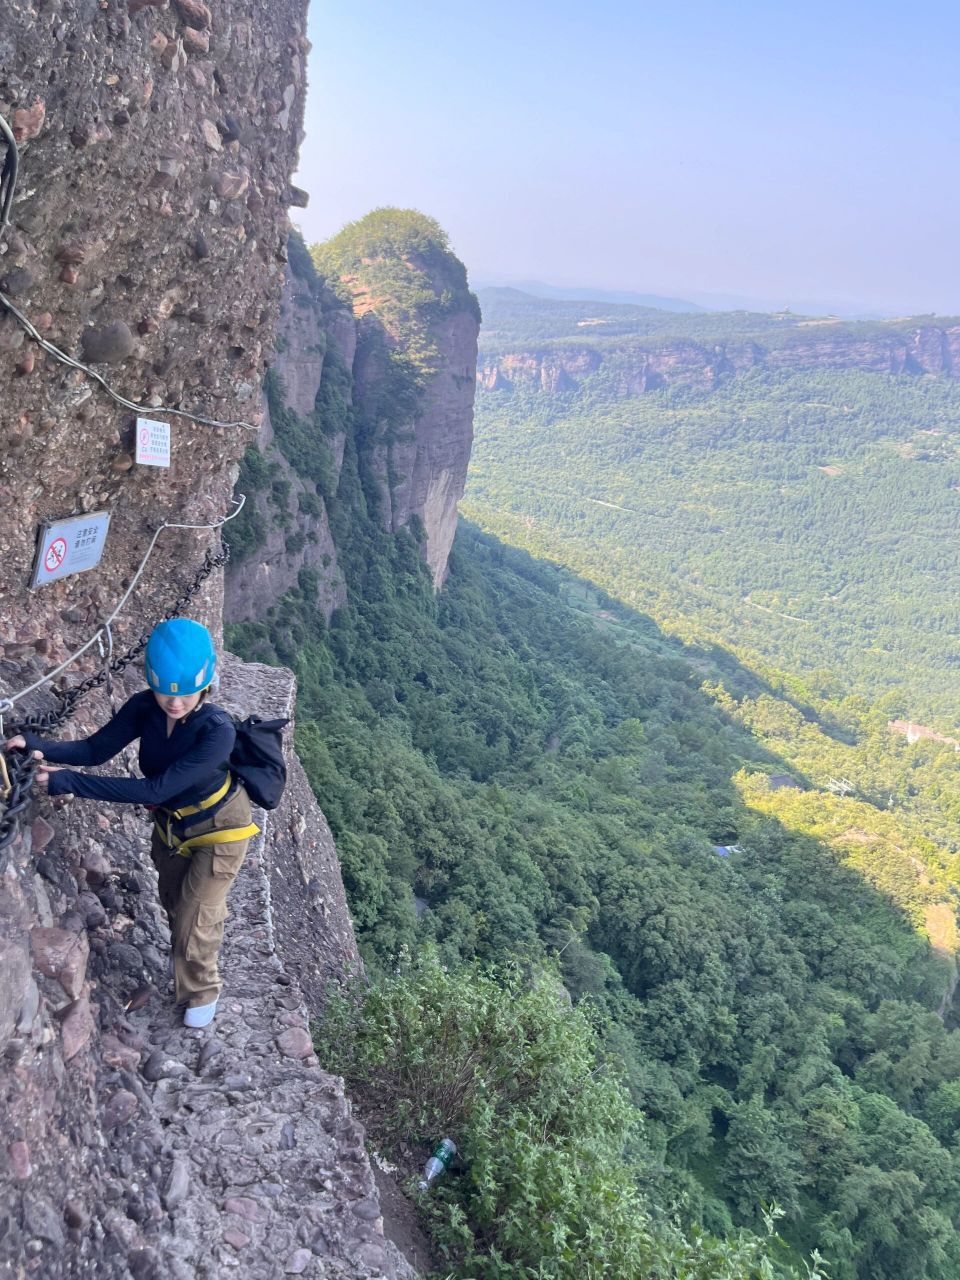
[
  {"x": 333, "y": 380},
  {"x": 425, "y": 468},
  {"x": 923, "y": 349},
  {"x": 421, "y": 458},
  {"x": 147, "y": 239},
  {"x": 309, "y": 919},
  {"x": 287, "y": 522}
]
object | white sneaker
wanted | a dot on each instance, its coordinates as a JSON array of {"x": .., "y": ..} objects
[{"x": 200, "y": 1016}]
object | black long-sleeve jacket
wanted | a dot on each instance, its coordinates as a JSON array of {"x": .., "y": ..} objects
[{"x": 180, "y": 769}]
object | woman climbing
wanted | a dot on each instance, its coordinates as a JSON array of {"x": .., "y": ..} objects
[{"x": 201, "y": 812}]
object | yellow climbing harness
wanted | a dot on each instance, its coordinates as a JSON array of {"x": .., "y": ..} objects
[
  {"x": 229, "y": 835},
  {"x": 206, "y": 803}
]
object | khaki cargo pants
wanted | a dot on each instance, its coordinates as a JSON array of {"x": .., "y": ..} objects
[{"x": 193, "y": 892}]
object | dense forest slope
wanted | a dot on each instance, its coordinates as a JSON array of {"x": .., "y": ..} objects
[
  {"x": 803, "y": 510},
  {"x": 730, "y": 871},
  {"x": 508, "y": 782}
]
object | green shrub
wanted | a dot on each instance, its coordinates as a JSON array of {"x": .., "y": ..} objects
[
  {"x": 310, "y": 503},
  {"x": 300, "y": 440},
  {"x": 301, "y": 263},
  {"x": 247, "y": 532},
  {"x": 550, "y": 1147},
  {"x": 280, "y": 493}
]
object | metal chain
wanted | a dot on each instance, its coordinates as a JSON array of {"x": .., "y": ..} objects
[{"x": 21, "y": 766}]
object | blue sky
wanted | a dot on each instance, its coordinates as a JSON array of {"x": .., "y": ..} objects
[{"x": 788, "y": 153}]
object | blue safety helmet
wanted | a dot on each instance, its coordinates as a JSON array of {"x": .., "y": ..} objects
[{"x": 180, "y": 657}]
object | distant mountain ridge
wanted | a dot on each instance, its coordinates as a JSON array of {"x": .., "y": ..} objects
[
  {"x": 560, "y": 293},
  {"x": 553, "y": 344},
  {"x": 695, "y": 300}
]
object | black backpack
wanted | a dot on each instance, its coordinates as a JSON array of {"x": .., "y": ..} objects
[{"x": 257, "y": 759}]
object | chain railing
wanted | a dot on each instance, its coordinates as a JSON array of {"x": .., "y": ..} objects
[{"x": 21, "y": 767}]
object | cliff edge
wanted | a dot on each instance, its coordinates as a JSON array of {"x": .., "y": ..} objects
[{"x": 895, "y": 347}]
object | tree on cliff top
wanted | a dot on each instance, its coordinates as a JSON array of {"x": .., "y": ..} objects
[
  {"x": 397, "y": 263},
  {"x": 387, "y": 233}
]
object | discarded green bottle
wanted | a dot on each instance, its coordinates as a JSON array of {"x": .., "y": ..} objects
[{"x": 440, "y": 1160}]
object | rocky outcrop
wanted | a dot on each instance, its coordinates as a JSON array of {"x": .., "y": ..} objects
[
  {"x": 423, "y": 465},
  {"x": 921, "y": 349},
  {"x": 414, "y": 373},
  {"x": 920, "y": 733},
  {"x": 133, "y": 1146},
  {"x": 334, "y": 375},
  {"x": 316, "y": 336}
]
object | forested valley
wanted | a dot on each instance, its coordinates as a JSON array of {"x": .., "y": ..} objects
[
  {"x": 684, "y": 910},
  {"x": 807, "y": 514}
]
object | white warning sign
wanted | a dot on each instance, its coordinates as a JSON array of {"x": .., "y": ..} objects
[
  {"x": 153, "y": 443},
  {"x": 70, "y": 546}
]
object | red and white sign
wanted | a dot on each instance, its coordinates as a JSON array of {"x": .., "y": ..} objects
[
  {"x": 153, "y": 443},
  {"x": 70, "y": 546},
  {"x": 55, "y": 555}
]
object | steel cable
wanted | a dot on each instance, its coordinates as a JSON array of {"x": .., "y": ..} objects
[{"x": 8, "y": 185}]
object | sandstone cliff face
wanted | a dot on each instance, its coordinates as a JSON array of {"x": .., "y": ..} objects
[
  {"x": 419, "y": 452},
  {"x": 314, "y": 331},
  {"x": 423, "y": 464},
  {"x": 925, "y": 349}
]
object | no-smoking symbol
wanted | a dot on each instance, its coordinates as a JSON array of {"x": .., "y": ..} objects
[{"x": 55, "y": 555}]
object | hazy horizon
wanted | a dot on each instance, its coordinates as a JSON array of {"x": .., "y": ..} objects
[
  {"x": 700, "y": 301},
  {"x": 710, "y": 153}
]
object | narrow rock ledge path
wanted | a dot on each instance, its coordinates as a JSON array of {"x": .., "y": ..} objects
[{"x": 261, "y": 1168}]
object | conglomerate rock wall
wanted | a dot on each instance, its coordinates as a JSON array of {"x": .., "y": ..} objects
[{"x": 148, "y": 240}]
